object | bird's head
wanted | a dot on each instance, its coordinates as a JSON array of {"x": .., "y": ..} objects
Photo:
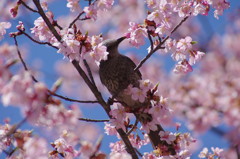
[{"x": 112, "y": 45}]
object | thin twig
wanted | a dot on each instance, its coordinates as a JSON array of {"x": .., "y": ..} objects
[
  {"x": 89, "y": 72},
  {"x": 74, "y": 21},
  {"x": 159, "y": 46},
  {"x": 25, "y": 5},
  {"x": 71, "y": 100},
  {"x": 92, "y": 120},
  {"x": 39, "y": 42},
  {"x": 21, "y": 59},
  {"x": 134, "y": 126}
]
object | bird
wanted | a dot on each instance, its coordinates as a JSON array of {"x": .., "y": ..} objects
[{"x": 117, "y": 73}]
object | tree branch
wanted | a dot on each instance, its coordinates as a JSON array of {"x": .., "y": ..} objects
[
  {"x": 74, "y": 21},
  {"x": 21, "y": 59},
  {"x": 89, "y": 72},
  {"x": 39, "y": 42},
  {"x": 159, "y": 46},
  {"x": 92, "y": 120},
  {"x": 95, "y": 91},
  {"x": 25, "y": 5},
  {"x": 70, "y": 99}
]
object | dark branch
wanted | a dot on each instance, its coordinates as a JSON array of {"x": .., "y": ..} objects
[
  {"x": 77, "y": 18},
  {"x": 69, "y": 99},
  {"x": 89, "y": 72},
  {"x": 92, "y": 120},
  {"x": 21, "y": 59},
  {"x": 39, "y": 42},
  {"x": 25, "y": 5}
]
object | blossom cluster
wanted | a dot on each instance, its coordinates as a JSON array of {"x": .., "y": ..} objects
[
  {"x": 161, "y": 22},
  {"x": 73, "y": 45},
  {"x": 91, "y": 10},
  {"x": 160, "y": 114},
  {"x": 216, "y": 152},
  {"x": 77, "y": 46}
]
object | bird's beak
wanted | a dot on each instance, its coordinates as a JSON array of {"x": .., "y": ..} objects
[{"x": 121, "y": 39}]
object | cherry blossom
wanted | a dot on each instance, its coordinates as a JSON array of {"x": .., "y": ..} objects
[
  {"x": 136, "y": 34},
  {"x": 183, "y": 67},
  {"x": 3, "y": 27},
  {"x": 91, "y": 12},
  {"x": 73, "y": 5},
  {"x": 167, "y": 136},
  {"x": 40, "y": 29}
]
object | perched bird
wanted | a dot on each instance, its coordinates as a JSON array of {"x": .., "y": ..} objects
[{"x": 116, "y": 73}]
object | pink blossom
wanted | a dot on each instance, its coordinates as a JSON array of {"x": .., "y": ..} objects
[
  {"x": 99, "y": 53},
  {"x": 149, "y": 126},
  {"x": 170, "y": 45},
  {"x": 185, "y": 10},
  {"x": 91, "y": 12},
  {"x": 218, "y": 152},
  {"x": 163, "y": 29},
  {"x": 118, "y": 111},
  {"x": 136, "y": 141},
  {"x": 201, "y": 9},
  {"x": 60, "y": 145},
  {"x": 3, "y": 27},
  {"x": 167, "y": 136},
  {"x": 151, "y": 155},
  {"x": 146, "y": 85},
  {"x": 183, "y": 67},
  {"x": 110, "y": 129},
  {"x": 118, "y": 123},
  {"x": 152, "y": 3},
  {"x": 41, "y": 30},
  {"x": 120, "y": 155},
  {"x": 137, "y": 34},
  {"x": 6, "y": 141},
  {"x": 195, "y": 56},
  {"x": 155, "y": 16},
  {"x": 73, "y": 5},
  {"x": 70, "y": 47},
  {"x": 138, "y": 94},
  {"x": 105, "y": 4},
  {"x": 87, "y": 149},
  {"x": 184, "y": 44},
  {"x": 219, "y": 6},
  {"x": 21, "y": 91},
  {"x": 117, "y": 147},
  {"x": 203, "y": 153},
  {"x": 32, "y": 147}
]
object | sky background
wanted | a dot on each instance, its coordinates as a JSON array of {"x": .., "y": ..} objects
[{"x": 45, "y": 58}]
